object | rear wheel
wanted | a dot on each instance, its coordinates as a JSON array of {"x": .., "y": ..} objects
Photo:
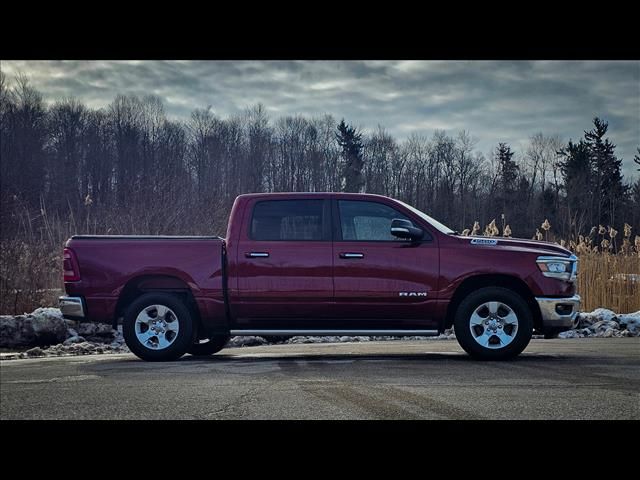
[
  {"x": 493, "y": 323},
  {"x": 158, "y": 327},
  {"x": 208, "y": 346}
]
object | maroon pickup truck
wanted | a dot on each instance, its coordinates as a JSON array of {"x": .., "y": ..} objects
[{"x": 320, "y": 264}]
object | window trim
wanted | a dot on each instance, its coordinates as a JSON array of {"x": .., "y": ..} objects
[
  {"x": 337, "y": 224},
  {"x": 326, "y": 219}
]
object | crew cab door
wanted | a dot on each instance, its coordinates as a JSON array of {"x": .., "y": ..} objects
[
  {"x": 284, "y": 264},
  {"x": 378, "y": 277}
]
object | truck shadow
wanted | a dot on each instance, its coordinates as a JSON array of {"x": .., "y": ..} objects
[
  {"x": 379, "y": 357},
  {"x": 302, "y": 361}
]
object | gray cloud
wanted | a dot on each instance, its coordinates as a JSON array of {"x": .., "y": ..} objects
[{"x": 493, "y": 100}]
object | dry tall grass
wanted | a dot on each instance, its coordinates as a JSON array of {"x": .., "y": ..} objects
[
  {"x": 30, "y": 275},
  {"x": 609, "y": 281}
]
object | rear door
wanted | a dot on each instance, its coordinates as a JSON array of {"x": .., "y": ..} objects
[
  {"x": 285, "y": 263},
  {"x": 378, "y": 277}
]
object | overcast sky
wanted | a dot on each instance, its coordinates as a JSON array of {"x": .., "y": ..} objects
[{"x": 495, "y": 101}]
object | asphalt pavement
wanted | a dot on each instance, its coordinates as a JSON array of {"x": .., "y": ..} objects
[{"x": 596, "y": 378}]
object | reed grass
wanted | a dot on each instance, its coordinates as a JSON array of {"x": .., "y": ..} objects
[{"x": 610, "y": 281}]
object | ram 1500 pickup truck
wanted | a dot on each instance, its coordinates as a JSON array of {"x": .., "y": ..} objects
[{"x": 320, "y": 264}]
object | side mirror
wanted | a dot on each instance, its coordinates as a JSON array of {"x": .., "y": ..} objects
[{"x": 405, "y": 229}]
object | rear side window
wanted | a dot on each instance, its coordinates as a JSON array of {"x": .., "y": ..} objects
[
  {"x": 287, "y": 220},
  {"x": 367, "y": 221}
]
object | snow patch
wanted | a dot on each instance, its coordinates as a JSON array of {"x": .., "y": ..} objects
[
  {"x": 603, "y": 322},
  {"x": 42, "y": 327},
  {"x": 597, "y": 315},
  {"x": 245, "y": 342},
  {"x": 51, "y": 335},
  {"x": 447, "y": 335}
]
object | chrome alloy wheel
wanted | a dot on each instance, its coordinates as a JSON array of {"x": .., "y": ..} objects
[
  {"x": 156, "y": 327},
  {"x": 493, "y": 325}
]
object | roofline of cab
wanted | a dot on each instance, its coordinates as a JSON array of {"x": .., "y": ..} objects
[{"x": 249, "y": 196}]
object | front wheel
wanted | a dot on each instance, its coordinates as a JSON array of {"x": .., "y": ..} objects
[
  {"x": 158, "y": 327},
  {"x": 493, "y": 323}
]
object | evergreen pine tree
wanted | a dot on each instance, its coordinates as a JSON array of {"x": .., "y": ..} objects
[
  {"x": 577, "y": 175},
  {"x": 350, "y": 141},
  {"x": 508, "y": 175},
  {"x": 508, "y": 167},
  {"x": 609, "y": 191}
]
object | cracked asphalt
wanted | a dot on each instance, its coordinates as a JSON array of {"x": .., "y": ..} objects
[{"x": 552, "y": 379}]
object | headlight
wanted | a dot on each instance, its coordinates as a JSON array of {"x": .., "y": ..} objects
[
  {"x": 555, "y": 267},
  {"x": 559, "y": 267}
]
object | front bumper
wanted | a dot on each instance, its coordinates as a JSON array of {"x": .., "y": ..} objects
[
  {"x": 72, "y": 308},
  {"x": 559, "y": 313}
]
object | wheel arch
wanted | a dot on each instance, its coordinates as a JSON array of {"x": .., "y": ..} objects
[
  {"x": 509, "y": 282},
  {"x": 142, "y": 284}
]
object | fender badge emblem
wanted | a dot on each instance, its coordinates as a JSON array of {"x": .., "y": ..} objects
[{"x": 484, "y": 241}]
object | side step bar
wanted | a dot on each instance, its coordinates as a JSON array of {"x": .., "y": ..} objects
[{"x": 307, "y": 333}]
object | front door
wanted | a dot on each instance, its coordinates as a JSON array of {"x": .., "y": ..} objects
[
  {"x": 284, "y": 264},
  {"x": 378, "y": 277}
]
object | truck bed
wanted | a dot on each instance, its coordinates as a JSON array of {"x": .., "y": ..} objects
[{"x": 111, "y": 264}]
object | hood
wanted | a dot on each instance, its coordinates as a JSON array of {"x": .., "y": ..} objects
[{"x": 518, "y": 245}]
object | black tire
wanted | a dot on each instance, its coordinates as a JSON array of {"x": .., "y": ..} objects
[
  {"x": 180, "y": 342},
  {"x": 208, "y": 347},
  {"x": 520, "y": 338}
]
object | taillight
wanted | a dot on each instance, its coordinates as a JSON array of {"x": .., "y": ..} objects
[{"x": 70, "y": 266}]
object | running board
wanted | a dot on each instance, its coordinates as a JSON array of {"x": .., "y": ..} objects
[{"x": 307, "y": 333}]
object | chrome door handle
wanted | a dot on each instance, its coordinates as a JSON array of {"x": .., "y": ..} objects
[
  {"x": 351, "y": 255},
  {"x": 256, "y": 255}
]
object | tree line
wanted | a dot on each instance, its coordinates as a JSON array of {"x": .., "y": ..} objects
[{"x": 127, "y": 168}]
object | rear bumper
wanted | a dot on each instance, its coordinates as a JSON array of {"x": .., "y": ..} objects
[
  {"x": 559, "y": 313},
  {"x": 72, "y": 308}
]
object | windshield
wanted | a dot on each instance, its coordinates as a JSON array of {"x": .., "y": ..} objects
[{"x": 432, "y": 221}]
